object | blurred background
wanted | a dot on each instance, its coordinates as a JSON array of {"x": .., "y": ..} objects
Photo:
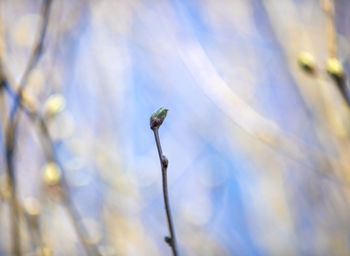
[{"x": 257, "y": 133}]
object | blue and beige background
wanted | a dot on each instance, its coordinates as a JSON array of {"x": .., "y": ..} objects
[{"x": 258, "y": 149}]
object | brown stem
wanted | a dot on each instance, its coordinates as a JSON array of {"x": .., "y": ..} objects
[
  {"x": 89, "y": 248},
  {"x": 47, "y": 141},
  {"x": 12, "y": 127},
  {"x": 171, "y": 241},
  {"x": 14, "y": 208},
  {"x": 48, "y": 147},
  {"x": 15, "y": 229}
]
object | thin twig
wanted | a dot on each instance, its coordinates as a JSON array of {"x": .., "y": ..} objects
[
  {"x": 20, "y": 103},
  {"x": 12, "y": 127},
  {"x": 335, "y": 68},
  {"x": 328, "y": 7},
  {"x": 72, "y": 212},
  {"x": 48, "y": 148},
  {"x": 156, "y": 120}
]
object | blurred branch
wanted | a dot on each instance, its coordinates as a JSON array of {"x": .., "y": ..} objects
[
  {"x": 13, "y": 122},
  {"x": 328, "y": 7},
  {"x": 334, "y": 67},
  {"x": 48, "y": 148},
  {"x": 72, "y": 212},
  {"x": 329, "y": 114},
  {"x": 21, "y": 103},
  {"x": 156, "y": 121}
]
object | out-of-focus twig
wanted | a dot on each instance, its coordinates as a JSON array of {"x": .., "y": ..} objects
[
  {"x": 13, "y": 122},
  {"x": 47, "y": 142},
  {"x": 48, "y": 148},
  {"x": 329, "y": 117},
  {"x": 334, "y": 67},
  {"x": 328, "y": 7},
  {"x": 72, "y": 212}
]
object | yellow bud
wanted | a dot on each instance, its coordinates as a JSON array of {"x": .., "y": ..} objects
[
  {"x": 52, "y": 174},
  {"x": 306, "y": 61},
  {"x": 32, "y": 206},
  {"x": 335, "y": 68},
  {"x": 44, "y": 251},
  {"x": 54, "y": 104},
  {"x": 28, "y": 101}
]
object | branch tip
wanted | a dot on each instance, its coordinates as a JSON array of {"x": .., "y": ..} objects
[{"x": 158, "y": 118}]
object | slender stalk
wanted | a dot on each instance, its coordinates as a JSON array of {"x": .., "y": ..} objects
[
  {"x": 328, "y": 7},
  {"x": 48, "y": 148},
  {"x": 14, "y": 207},
  {"x": 89, "y": 248},
  {"x": 74, "y": 216},
  {"x": 156, "y": 120},
  {"x": 19, "y": 103},
  {"x": 334, "y": 66},
  {"x": 12, "y": 127}
]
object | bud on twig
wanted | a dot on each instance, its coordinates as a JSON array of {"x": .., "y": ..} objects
[
  {"x": 168, "y": 240},
  {"x": 165, "y": 161},
  {"x": 155, "y": 122},
  {"x": 158, "y": 118},
  {"x": 307, "y": 62},
  {"x": 335, "y": 68}
]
